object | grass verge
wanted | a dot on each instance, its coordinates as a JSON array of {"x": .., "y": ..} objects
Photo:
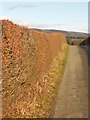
[{"x": 55, "y": 77}]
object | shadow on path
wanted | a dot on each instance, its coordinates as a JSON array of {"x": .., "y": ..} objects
[{"x": 87, "y": 51}]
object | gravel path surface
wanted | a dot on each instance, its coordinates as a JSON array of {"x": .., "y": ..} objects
[{"x": 72, "y": 100}]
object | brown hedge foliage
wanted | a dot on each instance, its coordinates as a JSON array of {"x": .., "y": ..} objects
[{"x": 26, "y": 57}]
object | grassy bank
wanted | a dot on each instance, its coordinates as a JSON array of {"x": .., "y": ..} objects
[
  {"x": 57, "y": 73},
  {"x": 54, "y": 79}
]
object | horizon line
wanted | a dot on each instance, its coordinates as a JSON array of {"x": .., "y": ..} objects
[{"x": 28, "y": 26}]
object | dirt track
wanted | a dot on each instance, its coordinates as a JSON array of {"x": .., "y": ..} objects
[{"x": 72, "y": 100}]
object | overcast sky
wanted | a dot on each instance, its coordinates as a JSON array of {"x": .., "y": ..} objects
[{"x": 71, "y": 16}]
